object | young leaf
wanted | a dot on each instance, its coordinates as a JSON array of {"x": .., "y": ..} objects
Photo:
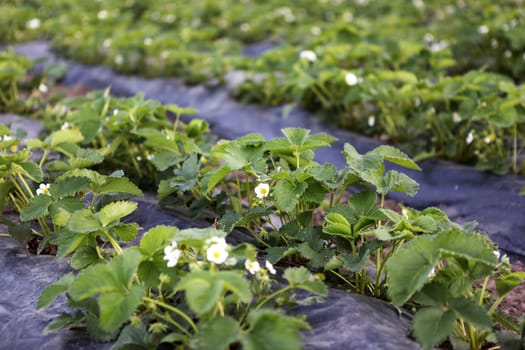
[
  {"x": 68, "y": 186},
  {"x": 36, "y": 208},
  {"x": 300, "y": 277},
  {"x": 433, "y": 325},
  {"x": 115, "y": 211},
  {"x": 271, "y": 330},
  {"x": 410, "y": 267},
  {"x": 471, "y": 312},
  {"x": 202, "y": 289},
  {"x": 219, "y": 333},
  {"x": 117, "y": 307},
  {"x": 51, "y": 292},
  {"x": 83, "y": 221},
  {"x": 126, "y": 232},
  {"x": 118, "y": 185},
  {"x": 508, "y": 282},
  {"x": 395, "y": 156},
  {"x": 287, "y": 194},
  {"x": 156, "y": 238},
  {"x": 32, "y": 171}
]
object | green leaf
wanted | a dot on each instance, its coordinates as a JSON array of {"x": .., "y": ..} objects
[
  {"x": 51, "y": 292},
  {"x": 203, "y": 290},
  {"x": 115, "y": 211},
  {"x": 68, "y": 186},
  {"x": 394, "y": 181},
  {"x": 116, "y": 308},
  {"x": 36, "y": 208},
  {"x": 156, "y": 238},
  {"x": 300, "y": 277},
  {"x": 115, "y": 276},
  {"x": 83, "y": 221},
  {"x": 472, "y": 312},
  {"x": 68, "y": 242},
  {"x": 410, "y": 267},
  {"x": 32, "y": 171},
  {"x": 126, "y": 232},
  {"x": 219, "y": 333},
  {"x": 465, "y": 245},
  {"x": 508, "y": 282},
  {"x": 235, "y": 283},
  {"x": 272, "y": 330},
  {"x": 395, "y": 156},
  {"x": 63, "y": 321},
  {"x": 277, "y": 253},
  {"x": 84, "y": 257},
  {"x": 363, "y": 202},
  {"x": 217, "y": 177},
  {"x": 66, "y": 136},
  {"x": 119, "y": 185},
  {"x": 287, "y": 194},
  {"x": 433, "y": 325},
  {"x": 368, "y": 167},
  {"x": 336, "y": 224}
]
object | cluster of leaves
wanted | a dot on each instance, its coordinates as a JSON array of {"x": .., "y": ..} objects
[
  {"x": 405, "y": 52},
  {"x": 331, "y": 220},
  {"x": 132, "y": 294}
]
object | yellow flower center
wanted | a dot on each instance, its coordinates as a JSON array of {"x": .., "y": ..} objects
[
  {"x": 263, "y": 191},
  {"x": 216, "y": 255},
  {"x": 45, "y": 191},
  {"x": 14, "y": 148}
]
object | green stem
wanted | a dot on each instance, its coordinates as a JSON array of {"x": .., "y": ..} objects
[
  {"x": 273, "y": 295},
  {"x": 44, "y": 156},
  {"x": 495, "y": 305},
  {"x": 483, "y": 288},
  {"x": 256, "y": 236},
  {"x": 343, "y": 278},
  {"x": 173, "y": 322},
  {"x": 175, "y": 310},
  {"x": 113, "y": 242}
]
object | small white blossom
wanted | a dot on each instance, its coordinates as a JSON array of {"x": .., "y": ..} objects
[
  {"x": 106, "y": 43},
  {"x": 507, "y": 54},
  {"x": 483, "y": 29},
  {"x": 439, "y": 46},
  {"x": 170, "y": 18},
  {"x": 262, "y": 190},
  {"x": 42, "y": 88},
  {"x": 487, "y": 139},
  {"x": 244, "y": 27},
  {"x": 102, "y": 14},
  {"x": 428, "y": 38},
  {"x": 33, "y": 23},
  {"x": 269, "y": 267},
  {"x": 66, "y": 126},
  {"x": 351, "y": 79},
  {"x": 418, "y": 3},
  {"x": 252, "y": 266},
  {"x": 371, "y": 121},
  {"x": 308, "y": 55},
  {"x": 404, "y": 212},
  {"x": 119, "y": 59},
  {"x": 456, "y": 118},
  {"x": 43, "y": 189},
  {"x": 6, "y": 138},
  {"x": 148, "y": 41},
  {"x": 172, "y": 254},
  {"x": 470, "y": 137},
  {"x": 217, "y": 253},
  {"x": 315, "y": 31},
  {"x": 496, "y": 253}
]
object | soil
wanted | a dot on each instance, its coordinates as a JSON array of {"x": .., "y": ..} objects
[{"x": 514, "y": 302}]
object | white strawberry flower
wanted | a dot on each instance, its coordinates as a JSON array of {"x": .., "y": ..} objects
[
  {"x": 269, "y": 267},
  {"x": 308, "y": 55},
  {"x": 43, "y": 189},
  {"x": 371, "y": 121},
  {"x": 33, "y": 23},
  {"x": 351, "y": 79},
  {"x": 217, "y": 252},
  {"x": 172, "y": 254},
  {"x": 262, "y": 190},
  {"x": 470, "y": 137},
  {"x": 252, "y": 266}
]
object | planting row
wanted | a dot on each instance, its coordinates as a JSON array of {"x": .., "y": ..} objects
[
  {"x": 415, "y": 73},
  {"x": 190, "y": 287}
]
